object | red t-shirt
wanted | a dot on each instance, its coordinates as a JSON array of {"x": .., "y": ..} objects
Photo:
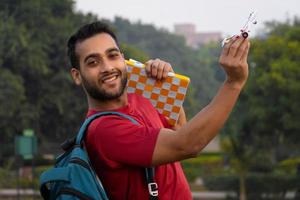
[{"x": 120, "y": 150}]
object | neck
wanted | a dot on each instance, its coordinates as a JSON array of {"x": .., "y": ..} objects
[{"x": 108, "y": 105}]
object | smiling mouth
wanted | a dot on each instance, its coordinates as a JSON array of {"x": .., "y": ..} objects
[{"x": 110, "y": 78}]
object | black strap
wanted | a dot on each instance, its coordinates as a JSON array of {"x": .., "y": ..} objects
[{"x": 152, "y": 185}]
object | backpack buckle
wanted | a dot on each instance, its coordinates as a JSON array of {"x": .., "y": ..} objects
[
  {"x": 153, "y": 189},
  {"x": 68, "y": 144}
]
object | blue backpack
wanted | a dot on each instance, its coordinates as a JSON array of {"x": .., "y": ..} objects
[{"x": 74, "y": 178}]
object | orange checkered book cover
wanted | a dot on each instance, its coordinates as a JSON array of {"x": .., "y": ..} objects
[{"x": 166, "y": 96}]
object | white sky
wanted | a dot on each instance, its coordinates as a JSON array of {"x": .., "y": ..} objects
[{"x": 226, "y": 16}]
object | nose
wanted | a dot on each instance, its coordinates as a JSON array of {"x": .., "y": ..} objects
[{"x": 106, "y": 65}]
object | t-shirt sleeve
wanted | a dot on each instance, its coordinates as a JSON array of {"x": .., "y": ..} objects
[{"x": 122, "y": 141}]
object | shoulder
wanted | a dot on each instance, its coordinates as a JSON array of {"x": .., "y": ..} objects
[
  {"x": 110, "y": 126},
  {"x": 137, "y": 99},
  {"x": 112, "y": 120}
]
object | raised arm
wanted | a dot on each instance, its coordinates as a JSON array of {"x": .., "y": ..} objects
[{"x": 192, "y": 137}]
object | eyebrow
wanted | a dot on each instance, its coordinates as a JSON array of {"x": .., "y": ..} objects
[
  {"x": 97, "y": 55},
  {"x": 112, "y": 49}
]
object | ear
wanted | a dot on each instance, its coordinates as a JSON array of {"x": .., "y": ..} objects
[{"x": 76, "y": 76}]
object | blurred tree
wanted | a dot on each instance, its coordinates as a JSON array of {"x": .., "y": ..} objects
[
  {"x": 35, "y": 85},
  {"x": 264, "y": 127},
  {"x": 133, "y": 53},
  {"x": 241, "y": 157},
  {"x": 273, "y": 92}
]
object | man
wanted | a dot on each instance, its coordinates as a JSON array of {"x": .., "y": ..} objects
[{"x": 119, "y": 149}]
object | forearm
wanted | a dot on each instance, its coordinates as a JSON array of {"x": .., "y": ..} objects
[{"x": 201, "y": 129}]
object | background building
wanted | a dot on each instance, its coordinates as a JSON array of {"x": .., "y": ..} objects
[{"x": 196, "y": 39}]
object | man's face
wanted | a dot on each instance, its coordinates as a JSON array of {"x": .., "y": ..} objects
[{"x": 102, "y": 67}]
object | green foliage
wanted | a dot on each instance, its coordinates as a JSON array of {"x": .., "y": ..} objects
[
  {"x": 12, "y": 93},
  {"x": 208, "y": 56},
  {"x": 273, "y": 91},
  {"x": 5, "y": 176},
  {"x": 35, "y": 87},
  {"x": 288, "y": 166},
  {"x": 265, "y": 121},
  {"x": 133, "y": 53},
  {"x": 8, "y": 178},
  {"x": 203, "y": 165},
  {"x": 264, "y": 128}
]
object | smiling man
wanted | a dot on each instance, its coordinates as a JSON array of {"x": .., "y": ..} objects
[{"x": 119, "y": 149}]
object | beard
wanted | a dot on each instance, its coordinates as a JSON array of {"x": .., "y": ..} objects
[{"x": 100, "y": 93}]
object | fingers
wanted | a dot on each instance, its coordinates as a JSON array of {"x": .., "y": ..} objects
[
  {"x": 245, "y": 54},
  {"x": 158, "y": 69},
  {"x": 234, "y": 59},
  {"x": 235, "y": 47},
  {"x": 231, "y": 44},
  {"x": 148, "y": 66},
  {"x": 241, "y": 49},
  {"x": 226, "y": 48},
  {"x": 227, "y": 43}
]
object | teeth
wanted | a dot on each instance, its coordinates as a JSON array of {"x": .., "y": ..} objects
[{"x": 110, "y": 79}]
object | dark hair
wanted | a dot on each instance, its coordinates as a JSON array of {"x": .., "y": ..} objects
[{"x": 83, "y": 33}]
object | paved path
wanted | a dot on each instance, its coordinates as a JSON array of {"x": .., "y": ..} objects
[
  {"x": 6, "y": 193},
  {"x": 210, "y": 195},
  {"x": 29, "y": 192}
]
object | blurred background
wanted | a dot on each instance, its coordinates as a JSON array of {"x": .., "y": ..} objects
[{"x": 256, "y": 155}]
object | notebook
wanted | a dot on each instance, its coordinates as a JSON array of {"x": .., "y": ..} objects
[{"x": 166, "y": 96}]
